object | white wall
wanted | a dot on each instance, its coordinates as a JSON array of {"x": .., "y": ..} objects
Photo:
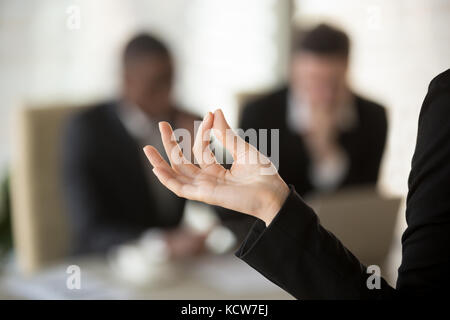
[{"x": 221, "y": 48}]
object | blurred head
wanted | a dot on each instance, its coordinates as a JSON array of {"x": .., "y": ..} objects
[
  {"x": 147, "y": 74},
  {"x": 319, "y": 66}
]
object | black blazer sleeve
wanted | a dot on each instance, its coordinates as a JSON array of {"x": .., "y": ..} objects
[{"x": 299, "y": 255}]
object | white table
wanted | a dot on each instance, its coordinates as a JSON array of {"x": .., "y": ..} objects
[{"x": 208, "y": 277}]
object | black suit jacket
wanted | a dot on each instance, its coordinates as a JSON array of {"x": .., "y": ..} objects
[
  {"x": 108, "y": 196},
  {"x": 363, "y": 144},
  {"x": 299, "y": 255}
]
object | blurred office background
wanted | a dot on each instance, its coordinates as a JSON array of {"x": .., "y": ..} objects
[{"x": 68, "y": 52}]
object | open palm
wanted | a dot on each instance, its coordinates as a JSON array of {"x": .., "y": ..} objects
[{"x": 251, "y": 186}]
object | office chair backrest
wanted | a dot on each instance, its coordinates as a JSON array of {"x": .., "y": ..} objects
[{"x": 38, "y": 219}]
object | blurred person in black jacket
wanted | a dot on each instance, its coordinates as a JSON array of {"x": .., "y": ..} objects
[
  {"x": 112, "y": 197},
  {"x": 330, "y": 137},
  {"x": 287, "y": 243}
]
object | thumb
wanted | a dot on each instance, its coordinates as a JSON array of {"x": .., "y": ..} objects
[{"x": 229, "y": 139}]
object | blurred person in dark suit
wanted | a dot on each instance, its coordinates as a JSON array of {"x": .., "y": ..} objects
[
  {"x": 288, "y": 245},
  {"x": 330, "y": 137},
  {"x": 112, "y": 197}
]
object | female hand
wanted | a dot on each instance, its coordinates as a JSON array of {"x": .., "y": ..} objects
[{"x": 251, "y": 186}]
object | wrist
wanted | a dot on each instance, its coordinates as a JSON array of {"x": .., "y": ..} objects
[{"x": 273, "y": 200}]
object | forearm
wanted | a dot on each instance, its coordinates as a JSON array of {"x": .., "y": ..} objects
[{"x": 299, "y": 255}]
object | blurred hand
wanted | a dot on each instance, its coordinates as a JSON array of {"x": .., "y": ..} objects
[
  {"x": 251, "y": 186},
  {"x": 321, "y": 139},
  {"x": 184, "y": 243}
]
